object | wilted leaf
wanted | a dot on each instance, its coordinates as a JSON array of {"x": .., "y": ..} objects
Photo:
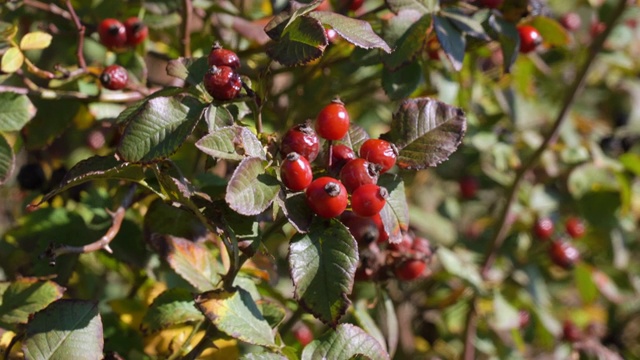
[
  {"x": 192, "y": 70},
  {"x": 15, "y": 111},
  {"x": 24, "y": 297},
  {"x": 451, "y": 39},
  {"x": 12, "y": 60},
  {"x": 345, "y": 342},
  {"x": 172, "y": 307},
  {"x": 323, "y": 264},
  {"x": 402, "y": 82},
  {"x": 426, "y": 131},
  {"x": 357, "y": 32},
  {"x": 302, "y": 41},
  {"x": 232, "y": 143},
  {"x": 237, "y": 315},
  {"x": 391, "y": 224},
  {"x": 7, "y": 160},
  {"x": 66, "y": 329},
  {"x": 409, "y": 44},
  {"x": 36, "y": 40},
  {"x": 251, "y": 189}
]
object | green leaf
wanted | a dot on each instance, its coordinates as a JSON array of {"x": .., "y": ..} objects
[
  {"x": 401, "y": 83},
  {"x": 67, "y": 329},
  {"x": 422, "y": 6},
  {"x": 302, "y": 41},
  {"x": 551, "y": 31},
  {"x": 506, "y": 317},
  {"x": 467, "y": 25},
  {"x": 232, "y": 143},
  {"x": 387, "y": 320},
  {"x": 159, "y": 128},
  {"x": 357, "y": 32},
  {"x": 296, "y": 209},
  {"x": 361, "y": 313},
  {"x": 409, "y": 44},
  {"x": 451, "y": 39},
  {"x": 162, "y": 218},
  {"x": 131, "y": 112},
  {"x": 355, "y": 137},
  {"x": 15, "y": 111},
  {"x": 7, "y": 160},
  {"x": 282, "y": 20},
  {"x": 251, "y": 189},
  {"x": 172, "y": 307},
  {"x": 589, "y": 177},
  {"x": 26, "y": 296},
  {"x": 426, "y": 131},
  {"x": 396, "y": 204},
  {"x": 36, "y": 40},
  {"x": 12, "y": 60},
  {"x": 191, "y": 70},
  {"x": 194, "y": 262},
  {"x": 461, "y": 267},
  {"x": 323, "y": 264},
  {"x": 7, "y": 31},
  {"x": 345, "y": 342},
  {"x": 631, "y": 162},
  {"x": 585, "y": 283},
  {"x": 507, "y": 34},
  {"x": 273, "y": 312},
  {"x": 217, "y": 117},
  {"x": 237, "y": 315}
]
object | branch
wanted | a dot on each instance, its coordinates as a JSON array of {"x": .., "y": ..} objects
[
  {"x": 79, "y": 51},
  {"x": 52, "y": 8},
  {"x": 187, "y": 14},
  {"x": 103, "y": 243},
  {"x": 116, "y": 97}
]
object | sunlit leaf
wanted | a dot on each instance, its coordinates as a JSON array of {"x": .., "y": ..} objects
[
  {"x": 409, "y": 44},
  {"x": 36, "y": 40},
  {"x": 15, "y": 111},
  {"x": 345, "y": 342},
  {"x": 422, "y": 6},
  {"x": 24, "y": 297},
  {"x": 7, "y": 160},
  {"x": 551, "y": 31},
  {"x": 191, "y": 70},
  {"x": 302, "y": 41},
  {"x": 251, "y": 189},
  {"x": 367, "y": 323},
  {"x": 357, "y": 32},
  {"x": 396, "y": 207},
  {"x": 232, "y": 143},
  {"x": 12, "y": 60},
  {"x": 283, "y": 19},
  {"x": 172, "y": 307}
]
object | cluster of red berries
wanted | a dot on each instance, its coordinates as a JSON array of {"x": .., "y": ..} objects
[
  {"x": 561, "y": 251},
  {"x": 222, "y": 81},
  {"x": 116, "y": 35}
]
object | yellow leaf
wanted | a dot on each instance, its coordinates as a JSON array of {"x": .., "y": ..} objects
[
  {"x": 12, "y": 60},
  {"x": 7, "y": 31},
  {"x": 35, "y": 41}
]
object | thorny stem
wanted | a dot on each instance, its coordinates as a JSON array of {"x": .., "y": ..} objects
[
  {"x": 79, "y": 51},
  {"x": 503, "y": 225},
  {"x": 187, "y": 15}
]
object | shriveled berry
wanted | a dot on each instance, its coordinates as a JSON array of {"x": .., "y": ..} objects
[
  {"x": 223, "y": 57},
  {"x": 355, "y": 4},
  {"x": 563, "y": 254},
  {"x": 301, "y": 139},
  {"x": 136, "y": 31},
  {"x": 571, "y": 21},
  {"x": 112, "y": 33},
  {"x": 358, "y": 172},
  {"x": 327, "y": 197},
  {"x": 530, "y": 38},
  {"x": 332, "y": 122},
  {"x": 574, "y": 227},
  {"x": 295, "y": 172},
  {"x": 222, "y": 83},
  {"x": 368, "y": 199},
  {"x": 570, "y": 331},
  {"x": 31, "y": 177},
  {"x": 340, "y": 155},
  {"x": 410, "y": 269},
  {"x": 379, "y": 152},
  {"x": 114, "y": 77},
  {"x": 364, "y": 229},
  {"x": 543, "y": 228}
]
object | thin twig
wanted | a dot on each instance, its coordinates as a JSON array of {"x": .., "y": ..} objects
[
  {"x": 79, "y": 51},
  {"x": 187, "y": 15},
  {"x": 115, "y": 97},
  {"x": 52, "y": 8}
]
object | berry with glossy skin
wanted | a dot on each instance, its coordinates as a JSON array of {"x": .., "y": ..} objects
[
  {"x": 543, "y": 228},
  {"x": 410, "y": 269},
  {"x": 136, "y": 31},
  {"x": 468, "y": 187},
  {"x": 112, "y": 33},
  {"x": 340, "y": 155},
  {"x": 368, "y": 199},
  {"x": 364, "y": 229},
  {"x": 295, "y": 172},
  {"x": 358, "y": 172},
  {"x": 222, "y": 83},
  {"x": 574, "y": 227},
  {"x": 31, "y": 177},
  {"x": 114, "y": 77},
  {"x": 301, "y": 139},
  {"x": 223, "y": 57},
  {"x": 530, "y": 38},
  {"x": 571, "y": 21},
  {"x": 327, "y": 197},
  {"x": 563, "y": 254},
  {"x": 379, "y": 152},
  {"x": 332, "y": 122}
]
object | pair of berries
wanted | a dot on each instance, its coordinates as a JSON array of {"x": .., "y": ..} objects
[
  {"x": 561, "y": 252},
  {"x": 222, "y": 81},
  {"x": 414, "y": 254},
  {"x": 116, "y": 35}
]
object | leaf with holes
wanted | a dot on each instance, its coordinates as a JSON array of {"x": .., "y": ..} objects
[
  {"x": 26, "y": 296},
  {"x": 302, "y": 41},
  {"x": 232, "y": 143},
  {"x": 66, "y": 329},
  {"x": 172, "y": 307},
  {"x": 345, "y": 342},
  {"x": 15, "y": 111},
  {"x": 251, "y": 189},
  {"x": 451, "y": 39},
  {"x": 323, "y": 264},
  {"x": 7, "y": 160},
  {"x": 426, "y": 131},
  {"x": 357, "y": 32}
]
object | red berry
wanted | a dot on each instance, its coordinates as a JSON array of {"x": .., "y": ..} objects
[
  {"x": 571, "y": 21},
  {"x": 303, "y": 334},
  {"x": 468, "y": 187},
  {"x": 404, "y": 245},
  {"x": 364, "y": 229},
  {"x": 222, "y": 83},
  {"x": 301, "y": 139},
  {"x": 575, "y": 227},
  {"x": 596, "y": 28},
  {"x": 295, "y": 172},
  {"x": 114, "y": 77},
  {"x": 340, "y": 155},
  {"x": 136, "y": 31},
  {"x": 382, "y": 233},
  {"x": 358, "y": 172},
  {"x": 368, "y": 199},
  {"x": 355, "y": 4},
  {"x": 327, "y": 197},
  {"x": 410, "y": 269},
  {"x": 563, "y": 254},
  {"x": 530, "y": 38},
  {"x": 525, "y": 318},
  {"x": 379, "y": 152},
  {"x": 422, "y": 246},
  {"x": 223, "y": 57},
  {"x": 112, "y": 33},
  {"x": 543, "y": 228},
  {"x": 491, "y": 4},
  {"x": 570, "y": 331},
  {"x": 332, "y": 122},
  {"x": 332, "y": 35}
]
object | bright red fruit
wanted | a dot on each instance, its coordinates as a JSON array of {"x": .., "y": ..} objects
[
  {"x": 301, "y": 139},
  {"x": 410, "y": 269},
  {"x": 340, "y": 155},
  {"x": 136, "y": 31},
  {"x": 379, "y": 152},
  {"x": 368, "y": 200},
  {"x": 563, "y": 254},
  {"x": 112, "y": 33},
  {"x": 303, "y": 334},
  {"x": 574, "y": 227},
  {"x": 530, "y": 38},
  {"x": 358, "y": 172},
  {"x": 327, "y": 197},
  {"x": 332, "y": 122},
  {"x": 543, "y": 228},
  {"x": 355, "y": 4},
  {"x": 295, "y": 172},
  {"x": 114, "y": 77},
  {"x": 364, "y": 229},
  {"x": 468, "y": 187},
  {"x": 222, "y": 83},
  {"x": 223, "y": 57}
]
